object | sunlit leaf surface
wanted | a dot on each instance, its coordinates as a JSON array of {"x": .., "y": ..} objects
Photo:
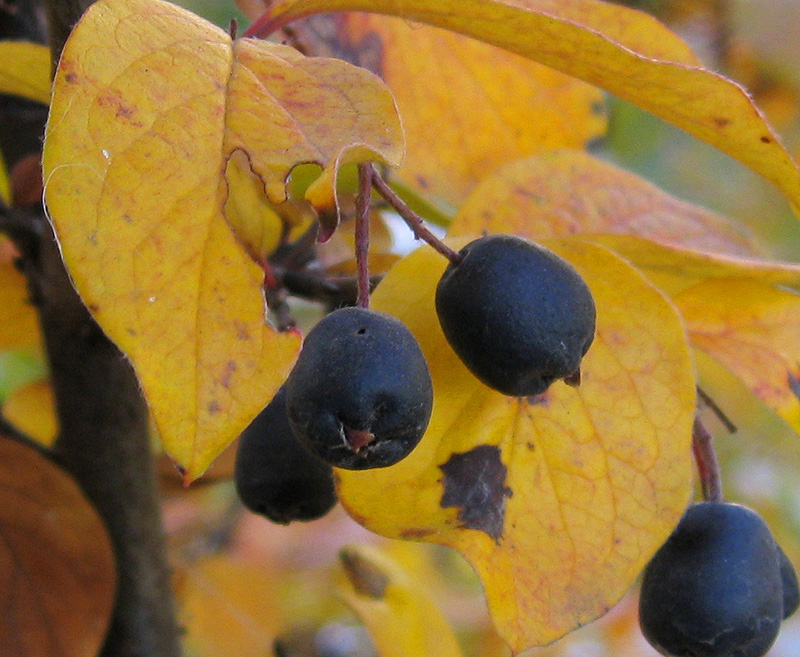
[
  {"x": 467, "y": 106},
  {"x": 618, "y": 49},
  {"x": 559, "y": 500},
  {"x": 569, "y": 192},
  {"x": 150, "y": 102},
  {"x": 56, "y": 561}
]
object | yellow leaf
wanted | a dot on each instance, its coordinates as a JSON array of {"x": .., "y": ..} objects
[
  {"x": 567, "y": 192},
  {"x": 753, "y": 329},
  {"x": 401, "y": 618},
  {"x": 467, "y": 106},
  {"x": 618, "y": 49},
  {"x": 558, "y": 501},
  {"x": 20, "y": 324},
  {"x": 25, "y": 70},
  {"x": 254, "y": 219},
  {"x": 675, "y": 269},
  {"x": 150, "y": 102},
  {"x": 31, "y": 409}
]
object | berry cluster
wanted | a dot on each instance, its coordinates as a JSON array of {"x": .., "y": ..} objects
[{"x": 360, "y": 394}]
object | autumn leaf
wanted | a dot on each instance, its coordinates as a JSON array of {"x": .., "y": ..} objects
[
  {"x": 753, "y": 329},
  {"x": 674, "y": 269},
  {"x": 400, "y": 616},
  {"x": 31, "y": 409},
  {"x": 567, "y": 192},
  {"x": 20, "y": 325},
  {"x": 467, "y": 106},
  {"x": 25, "y": 70},
  {"x": 618, "y": 49},
  {"x": 149, "y": 104},
  {"x": 559, "y": 500},
  {"x": 223, "y": 591},
  {"x": 57, "y": 563}
]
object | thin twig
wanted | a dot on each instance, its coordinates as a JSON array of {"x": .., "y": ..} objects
[
  {"x": 712, "y": 405},
  {"x": 362, "y": 232},
  {"x": 707, "y": 463},
  {"x": 314, "y": 285},
  {"x": 414, "y": 221}
]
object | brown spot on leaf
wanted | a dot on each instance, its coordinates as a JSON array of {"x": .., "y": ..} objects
[
  {"x": 365, "y": 577},
  {"x": 225, "y": 379},
  {"x": 415, "y": 533},
  {"x": 241, "y": 331},
  {"x": 474, "y": 482},
  {"x": 70, "y": 77},
  {"x": 721, "y": 121},
  {"x": 213, "y": 407},
  {"x": 766, "y": 140}
]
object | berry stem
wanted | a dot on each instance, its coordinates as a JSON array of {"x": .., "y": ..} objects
[
  {"x": 707, "y": 463},
  {"x": 414, "y": 221},
  {"x": 362, "y": 232},
  {"x": 712, "y": 405}
]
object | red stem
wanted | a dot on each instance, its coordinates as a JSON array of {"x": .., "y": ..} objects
[
  {"x": 413, "y": 220},
  {"x": 266, "y": 24},
  {"x": 707, "y": 463},
  {"x": 363, "y": 206}
]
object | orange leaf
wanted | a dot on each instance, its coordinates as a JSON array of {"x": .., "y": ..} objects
[
  {"x": 752, "y": 328},
  {"x": 149, "y": 103},
  {"x": 567, "y": 192},
  {"x": 558, "y": 501},
  {"x": 618, "y": 49},
  {"x": 226, "y": 592},
  {"x": 467, "y": 106},
  {"x": 20, "y": 324},
  {"x": 57, "y": 566}
]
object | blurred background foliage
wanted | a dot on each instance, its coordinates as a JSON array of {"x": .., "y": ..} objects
[{"x": 242, "y": 582}]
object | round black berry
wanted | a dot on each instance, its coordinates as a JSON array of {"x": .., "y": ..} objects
[
  {"x": 517, "y": 315},
  {"x": 360, "y": 395},
  {"x": 275, "y": 477},
  {"x": 714, "y": 589}
]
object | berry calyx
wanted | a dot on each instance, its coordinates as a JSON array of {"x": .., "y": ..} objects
[
  {"x": 360, "y": 395},
  {"x": 518, "y": 315}
]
